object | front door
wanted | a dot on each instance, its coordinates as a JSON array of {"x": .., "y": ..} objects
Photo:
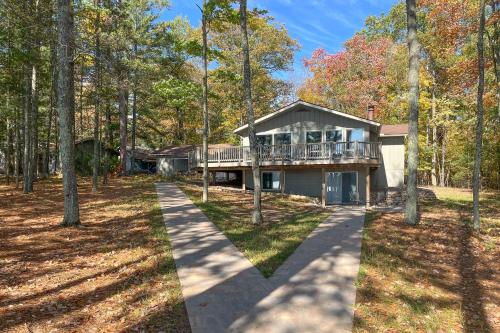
[{"x": 341, "y": 187}]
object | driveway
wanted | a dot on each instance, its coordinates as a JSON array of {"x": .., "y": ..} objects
[{"x": 313, "y": 291}]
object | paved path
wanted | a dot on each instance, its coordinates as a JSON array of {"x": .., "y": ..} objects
[{"x": 313, "y": 291}]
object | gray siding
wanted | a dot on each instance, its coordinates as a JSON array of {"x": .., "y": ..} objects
[
  {"x": 391, "y": 171},
  {"x": 308, "y": 181},
  {"x": 170, "y": 166},
  {"x": 303, "y": 182},
  {"x": 298, "y": 122}
]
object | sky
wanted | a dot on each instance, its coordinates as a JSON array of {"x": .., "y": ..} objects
[{"x": 313, "y": 23}]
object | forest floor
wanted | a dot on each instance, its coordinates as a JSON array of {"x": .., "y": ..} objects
[
  {"x": 114, "y": 274},
  {"x": 436, "y": 277}
]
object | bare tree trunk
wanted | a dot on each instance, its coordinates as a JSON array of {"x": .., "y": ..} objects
[
  {"x": 17, "y": 148},
  {"x": 80, "y": 102},
  {"x": 122, "y": 106},
  {"x": 97, "y": 65},
  {"x": 46, "y": 154},
  {"x": 479, "y": 125},
  {"x": 28, "y": 146},
  {"x": 205, "y": 103},
  {"x": 134, "y": 115},
  {"x": 34, "y": 123},
  {"x": 247, "y": 85},
  {"x": 8, "y": 150},
  {"x": 107, "y": 145},
  {"x": 411, "y": 212},
  {"x": 443, "y": 157},
  {"x": 65, "y": 109},
  {"x": 434, "y": 135}
]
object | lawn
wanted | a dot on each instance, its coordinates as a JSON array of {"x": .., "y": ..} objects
[
  {"x": 287, "y": 222},
  {"x": 115, "y": 273},
  {"x": 436, "y": 277}
]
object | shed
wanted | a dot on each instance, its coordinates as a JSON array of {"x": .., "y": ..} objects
[{"x": 172, "y": 159}]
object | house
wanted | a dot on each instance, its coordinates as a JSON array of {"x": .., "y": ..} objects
[
  {"x": 144, "y": 160},
  {"x": 311, "y": 150},
  {"x": 171, "y": 160}
]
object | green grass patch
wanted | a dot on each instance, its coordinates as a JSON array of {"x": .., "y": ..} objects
[{"x": 287, "y": 223}]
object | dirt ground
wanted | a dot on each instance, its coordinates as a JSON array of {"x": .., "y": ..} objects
[
  {"x": 113, "y": 274},
  {"x": 436, "y": 277}
]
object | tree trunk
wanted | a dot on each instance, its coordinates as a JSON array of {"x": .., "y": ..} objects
[
  {"x": 46, "y": 154},
  {"x": 34, "y": 123},
  {"x": 247, "y": 85},
  {"x": 434, "y": 135},
  {"x": 411, "y": 212},
  {"x": 107, "y": 145},
  {"x": 17, "y": 148},
  {"x": 134, "y": 115},
  {"x": 97, "y": 68},
  {"x": 28, "y": 146},
  {"x": 65, "y": 109},
  {"x": 122, "y": 107},
  {"x": 479, "y": 125},
  {"x": 205, "y": 103},
  {"x": 443, "y": 157},
  {"x": 8, "y": 150}
]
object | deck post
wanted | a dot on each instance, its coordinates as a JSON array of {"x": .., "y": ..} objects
[
  {"x": 367, "y": 194},
  {"x": 243, "y": 180},
  {"x": 323, "y": 188},
  {"x": 282, "y": 181}
]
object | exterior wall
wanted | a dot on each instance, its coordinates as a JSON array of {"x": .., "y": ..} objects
[
  {"x": 308, "y": 181},
  {"x": 303, "y": 182},
  {"x": 392, "y": 163},
  {"x": 298, "y": 122},
  {"x": 167, "y": 166}
]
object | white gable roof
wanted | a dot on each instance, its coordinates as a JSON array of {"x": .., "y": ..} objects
[{"x": 314, "y": 106}]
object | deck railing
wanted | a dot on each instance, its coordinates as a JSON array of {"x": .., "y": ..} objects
[{"x": 321, "y": 152}]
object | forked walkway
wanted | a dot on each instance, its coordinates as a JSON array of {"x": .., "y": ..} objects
[{"x": 313, "y": 291}]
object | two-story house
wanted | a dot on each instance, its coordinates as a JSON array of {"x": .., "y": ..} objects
[{"x": 310, "y": 150}]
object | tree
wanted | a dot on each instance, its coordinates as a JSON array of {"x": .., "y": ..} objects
[
  {"x": 205, "y": 100},
  {"x": 97, "y": 68},
  {"x": 479, "y": 124},
  {"x": 411, "y": 211},
  {"x": 247, "y": 87},
  {"x": 65, "y": 109}
]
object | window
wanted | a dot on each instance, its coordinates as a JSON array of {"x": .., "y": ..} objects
[
  {"x": 282, "y": 139},
  {"x": 264, "y": 140},
  {"x": 355, "y": 134},
  {"x": 313, "y": 137},
  {"x": 271, "y": 180},
  {"x": 333, "y": 136}
]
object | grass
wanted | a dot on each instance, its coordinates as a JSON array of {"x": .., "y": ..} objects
[
  {"x": 436, "y": 277},
  {"x": 287, "y": 223},
  {"x": 115, "y": 273}
]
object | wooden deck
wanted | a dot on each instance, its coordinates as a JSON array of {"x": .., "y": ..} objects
[{"x": 312, "y": 154}]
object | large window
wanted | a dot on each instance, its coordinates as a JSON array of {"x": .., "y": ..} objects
[
  {"x": 355, "y": 134},
  {"x": 271, "y": 180},
  {"x": 282, "y": 139},
  {"x": 313, "y": 137},
  {"x": 333, "y": 136},
  {"x": 265, "y": 140}
]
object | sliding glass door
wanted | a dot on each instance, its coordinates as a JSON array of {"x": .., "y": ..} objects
[{"x": 341, "y": 187}]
